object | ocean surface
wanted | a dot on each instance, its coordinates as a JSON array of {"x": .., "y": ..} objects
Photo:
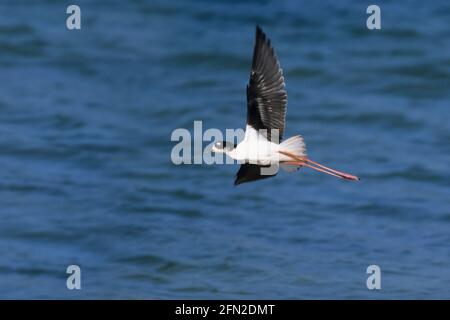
[{"x": 86, "y": 177}]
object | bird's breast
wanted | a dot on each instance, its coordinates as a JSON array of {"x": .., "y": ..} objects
[{"x": 256, "y": 151}]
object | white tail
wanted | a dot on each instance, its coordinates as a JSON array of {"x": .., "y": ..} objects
[{"x": 295, "y": 145}]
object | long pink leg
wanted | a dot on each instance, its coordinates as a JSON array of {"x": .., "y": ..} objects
[
  {"x": 345, "y": 175},
  {"x": 303, "y": 161},
  {"x": 303, "y": 164}
]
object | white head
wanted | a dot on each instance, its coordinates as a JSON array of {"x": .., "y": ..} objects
[{"x": 223, "y": 147}]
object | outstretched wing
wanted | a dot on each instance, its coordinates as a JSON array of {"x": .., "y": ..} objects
[
  {"x": 250, "y": 172},
  {"x": 266, "y": 92}
]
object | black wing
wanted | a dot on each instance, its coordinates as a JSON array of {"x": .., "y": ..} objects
[
  {"x": 266, "y": 92},
  {"x": 250, "y": 172}
]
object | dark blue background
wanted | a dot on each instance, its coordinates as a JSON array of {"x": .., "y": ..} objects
[{"x": 86, "y": 177}]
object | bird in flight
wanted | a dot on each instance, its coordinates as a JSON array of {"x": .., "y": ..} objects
[{"x": 260, "y": 152}]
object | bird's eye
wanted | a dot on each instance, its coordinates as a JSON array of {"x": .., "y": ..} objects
[{"x": 218, "y": 145}]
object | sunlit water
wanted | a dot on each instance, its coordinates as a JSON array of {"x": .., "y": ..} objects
[{"x": 86, "y": 177}]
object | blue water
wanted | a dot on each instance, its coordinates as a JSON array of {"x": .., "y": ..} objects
[{"x": 86, "y": 177}]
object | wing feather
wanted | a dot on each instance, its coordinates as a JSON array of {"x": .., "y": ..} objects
[
  {"x": 266, "y": 92},
  {"x": 250, "y": 172}
]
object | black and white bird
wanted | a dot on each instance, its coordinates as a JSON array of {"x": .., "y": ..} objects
[{"x": 266, "y": 111}]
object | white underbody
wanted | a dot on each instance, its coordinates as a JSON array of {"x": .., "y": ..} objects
[{"x": 256, "y": 149}]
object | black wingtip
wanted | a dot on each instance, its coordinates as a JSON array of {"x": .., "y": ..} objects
[
  {"x": 259, "y": 32},
  {"x": 237, "y": 181}
]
